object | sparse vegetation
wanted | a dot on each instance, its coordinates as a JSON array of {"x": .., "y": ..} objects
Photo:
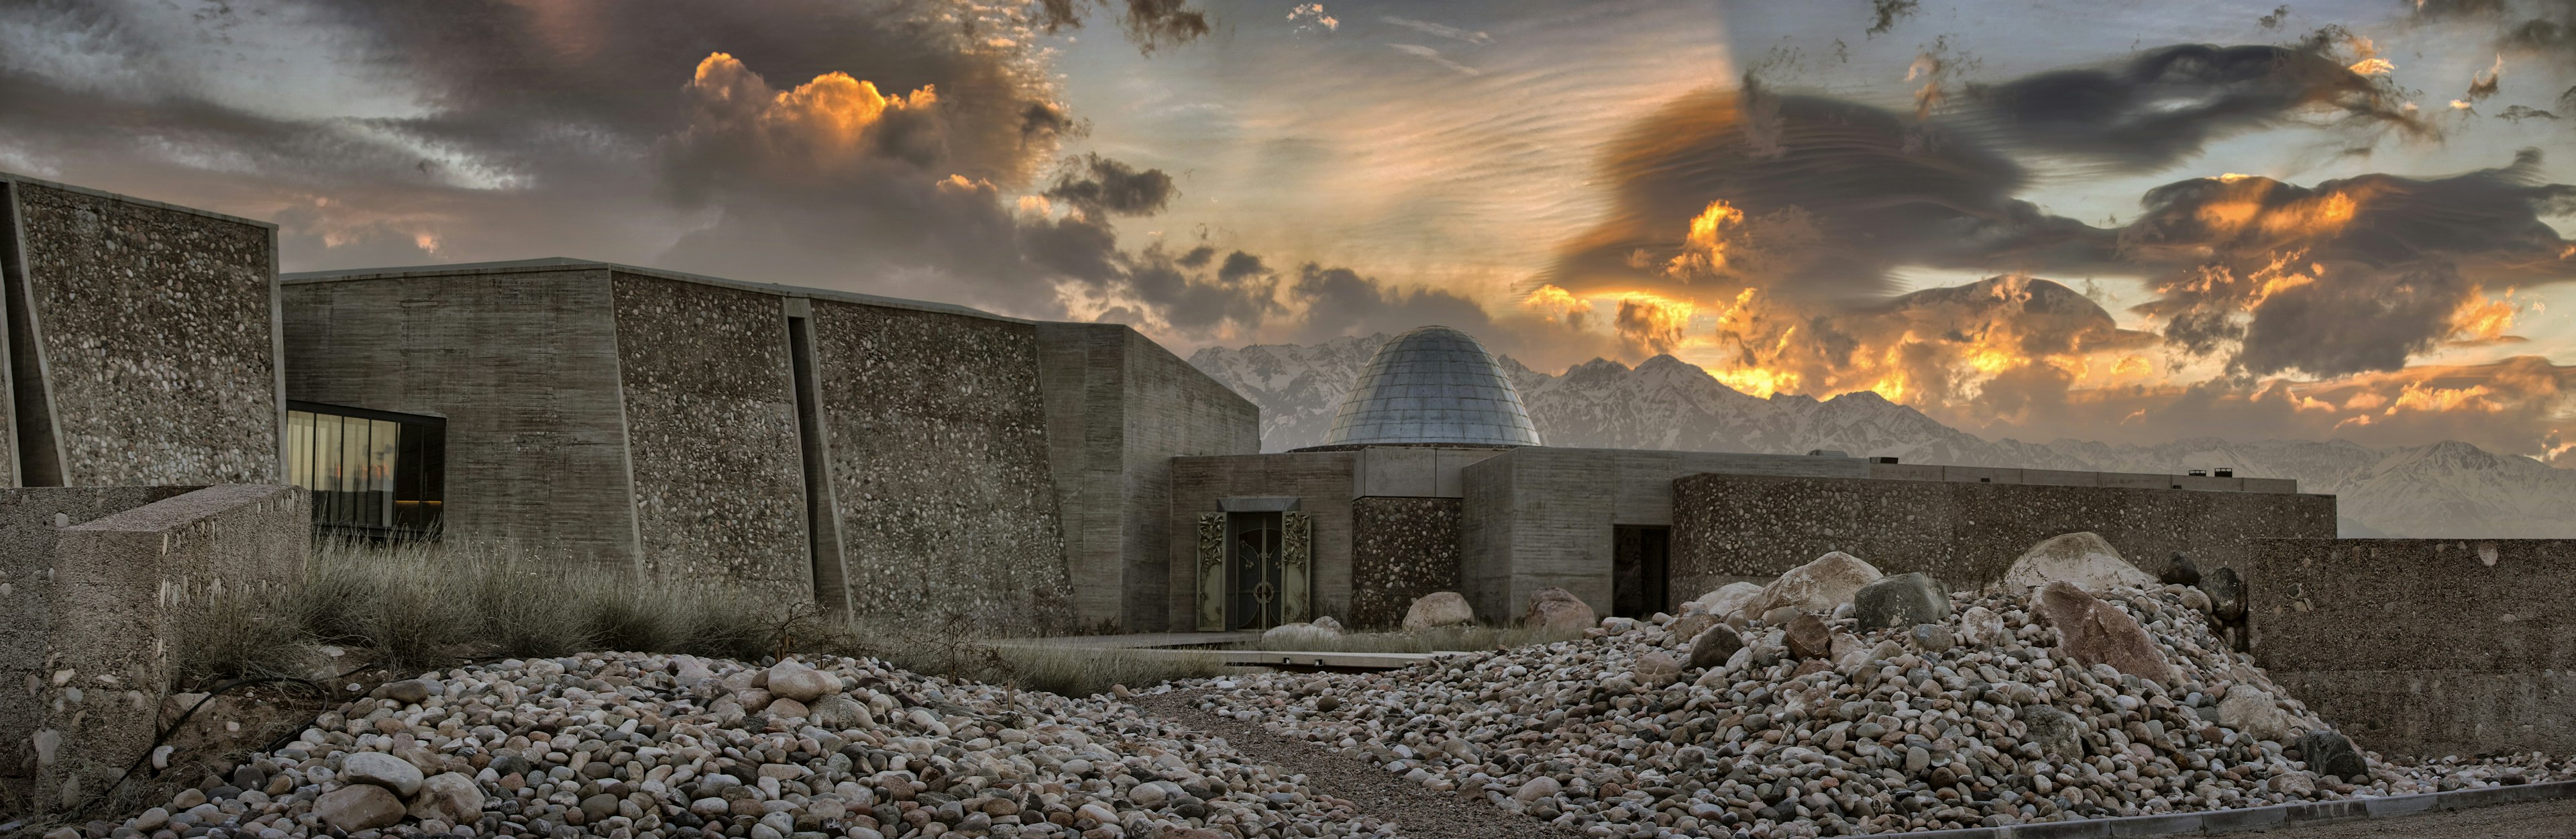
[
  {"x": 1462, "y": 638},
  {"x": 416, "y": 606}
]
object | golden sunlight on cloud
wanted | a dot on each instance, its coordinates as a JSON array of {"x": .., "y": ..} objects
[{"x": 829, "y": 117}]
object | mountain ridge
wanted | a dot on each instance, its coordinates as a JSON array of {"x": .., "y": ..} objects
[{"x": 2447, "y": 489}]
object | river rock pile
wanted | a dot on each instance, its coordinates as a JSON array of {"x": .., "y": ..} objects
[
  {"x": 667, "y": 746},
  {"x": 2012, "y": 707}
]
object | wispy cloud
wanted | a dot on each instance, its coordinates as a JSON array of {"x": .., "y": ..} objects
[
  {"x": 1434, "y": 56},
  {"x": 1441, "y": 30}
]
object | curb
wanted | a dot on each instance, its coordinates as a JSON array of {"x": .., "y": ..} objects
[{"x": 2277, "y": 815}]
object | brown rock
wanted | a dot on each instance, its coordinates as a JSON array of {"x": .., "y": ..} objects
[
  {"x": 1657, "y": 669},
  {"x": 2094, "y": 632},
  {"x": 1714, "y": 646},
  {"x": 1813, "y": 665},
  {"x": 1688, "y": 627},
  {"x": 359, "y": 807},
  {"x": 1556, "y": 608},
  {"x": 1438, "y": 609},
  {"x": 1808, "y": 637}
]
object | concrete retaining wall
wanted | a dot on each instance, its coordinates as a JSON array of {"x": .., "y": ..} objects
[
  {"x": 1730, "y": 527},
  {"x": 1119, "y": 407},
  {"x": 89, "y": 633},
  {"x": 524, "y": 366},
  {"x": 156, "y": 332},
  {"x": 2423, "y": 646},
  {"x": 1538, "y": 517}
]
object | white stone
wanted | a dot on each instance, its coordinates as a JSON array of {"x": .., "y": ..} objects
[
  {"x": 1730, "y": 599},
  {"x": 1817, "y": 586},
  {"x": 1299, "y": 633},
  {"x": 382, "y": 770},
  {"x": 801, "y": 683},
  {"x": 1438, "y": 609},
  {"x": 2082, "y": 559}
]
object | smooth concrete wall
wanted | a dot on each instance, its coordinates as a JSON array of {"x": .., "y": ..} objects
[
  {"x": 2422, "y": 647},
  {"x": 1119, "y": 407},
  {"x": 1538, "y": 517},
  {"x": 524, "y": 366},
  {"x": 1320, "y": 481},
  {"x": 123, "y": 585},
  {"x": 711, "y": 433},
  {"x": 157, "y": 332},
  {"x": 1415, "y": 471},
  {"x": 1732, "y": 527},
  {"x": 2064, "y": 477},
  {"x": 940, "y": 453}
]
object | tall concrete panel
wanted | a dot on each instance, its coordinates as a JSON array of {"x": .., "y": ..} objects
[
  {"x": 524, "y": 366},
  {"x": 2422, "y": 647},
  {"x": 153, "y": 334},
  {"x": 1119, "y": 408},
  {"x": 711, "y": 434},
  {"x": 939, "y": 445}
]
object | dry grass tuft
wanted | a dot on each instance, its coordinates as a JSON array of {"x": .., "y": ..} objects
[
  {"x": 412, "y": 607},
  {"x": 1444, "y": 639}
]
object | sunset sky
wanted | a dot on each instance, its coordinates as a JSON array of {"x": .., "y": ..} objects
[{"x": 2127, "y": 222}]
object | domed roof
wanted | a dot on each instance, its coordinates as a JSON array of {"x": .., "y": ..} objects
[{"x": 1433, "y": 385}]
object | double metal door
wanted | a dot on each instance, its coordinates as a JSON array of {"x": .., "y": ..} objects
[{"x": 1254, "y": 569}]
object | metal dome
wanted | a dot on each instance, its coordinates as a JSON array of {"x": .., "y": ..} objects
[{"x": 1433, "y": 385}]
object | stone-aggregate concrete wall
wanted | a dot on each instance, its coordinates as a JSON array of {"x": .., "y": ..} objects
[
  {"x": 1731, "y": 527},
  {"x": 1321, "y": 481},
  {"x": 1539, "y": 517},
  {"x": 1401, "y": 549},
  {"x": 939, "y": 451},
  {"x": 2422, "y": 647},
  {"x": 122, "y": 585},
  {"x": 29, "y": 519},
  {"x": 158, "y": 330},
  {"x": 524, "y": 366},
  {"x": 1119, "y": 408},
  {"x": 711, "y": 433}
]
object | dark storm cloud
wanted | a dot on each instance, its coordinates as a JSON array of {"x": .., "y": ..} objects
[
  {"x": 1101, "y": 185},
  {"x": 2350, "y": 275},
  {"x": 2168, "y": 103},
  {"x": 1363, "y": 305},
  {"x": 1835, "y": 195},
  {"x": 879, "y": 145},
  {"x": 1151, "y": 24}
]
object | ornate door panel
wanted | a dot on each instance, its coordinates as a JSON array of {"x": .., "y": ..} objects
[
  {"x": 1254, "y": 568},
  {"x": 1297, "y": 567},
  {"x": 1211, "y": 572}
]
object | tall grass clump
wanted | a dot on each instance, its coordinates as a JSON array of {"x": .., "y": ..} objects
[{"x": 415, "y": 606}]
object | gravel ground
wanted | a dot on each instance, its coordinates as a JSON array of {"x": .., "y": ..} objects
[
  {"x": 2542, "y": 820},
  {"x": 1417, "y": 811}
]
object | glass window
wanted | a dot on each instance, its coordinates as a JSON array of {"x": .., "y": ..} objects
[{"x": 374, "y": 474}]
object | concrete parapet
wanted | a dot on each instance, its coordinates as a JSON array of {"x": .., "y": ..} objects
[
  {"x": 2423, "y": 646},
  {"x": 91, "y": 636}
]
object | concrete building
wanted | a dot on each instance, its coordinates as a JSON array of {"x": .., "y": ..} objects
[
  {"x": 1396, "y": 507},
  {"x": 885, "y": 457},
  {"x": 142, "y": 341}
]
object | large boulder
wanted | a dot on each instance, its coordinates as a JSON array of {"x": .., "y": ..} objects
[
  {"x": 1817, "y": 586},
  {"x": 2056, "y": 731},
  {"x": 1558, "y": 609},
  {"x": 1729, "y": 600},
  {"x": 2091, "y": 631},
  {"x": 1808, "y": 637},
  {"x": 2180, "y": 571},
  {"x": 2226, "y": 593},
  {"x": 793, "y": 680},
  {"x": 2254, "y": 712},
  {"x": 1438, "y": 609},
  {"x": 359, "y": 807},
  {"x": 2328, "y": 753},
  {"x": 1656, "y": 669},
  {"x": 452, "y": 796},
  {"x": 1714, "y": 646},
  {"x": 1301, "y": 632},
  {"x": 381, "y": 769},
  {"x": 1901, "y": 600},
  {"x": 2083, "y": 559}
]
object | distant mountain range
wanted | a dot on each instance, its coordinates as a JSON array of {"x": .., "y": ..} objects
[{"x": 2442, "y": 490}]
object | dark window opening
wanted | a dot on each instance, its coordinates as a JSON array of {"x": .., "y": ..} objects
[
  {"x": 822, "y": 519},
  {"x": 39, "y": 462},
  {"x": 1253, "y": 570},
  {"x": 373, "y": 474},
  {"x": 1639, "y": 572}
]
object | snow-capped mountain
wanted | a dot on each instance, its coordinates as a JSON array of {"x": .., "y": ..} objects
[{"x": 2447, "y": 489}]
